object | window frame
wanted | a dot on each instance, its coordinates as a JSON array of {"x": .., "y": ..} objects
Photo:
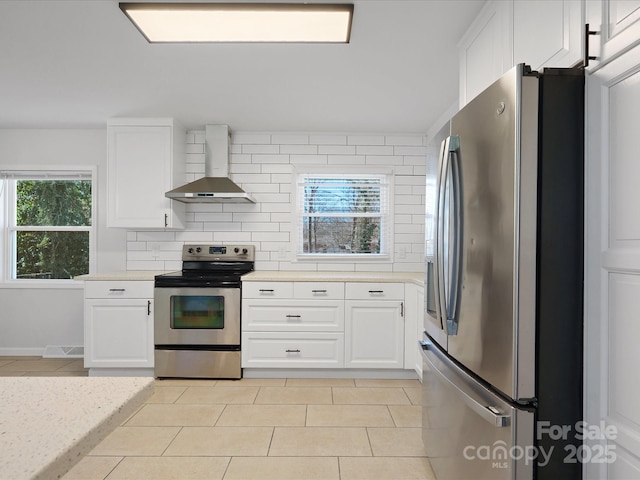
[
  {"x": 386, "y": 218},
  {"x": 8, "y": 176}
]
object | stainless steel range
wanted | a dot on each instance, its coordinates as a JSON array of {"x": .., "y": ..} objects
[{"x": 197, "y": 313}]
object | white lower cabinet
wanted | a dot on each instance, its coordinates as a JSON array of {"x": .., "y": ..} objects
[
  {"x": 292, "y": 350},
  {"x": 293, "y": 325},
  {"x": 118, "y": 325},
  {"x": 374, "y": 325}
]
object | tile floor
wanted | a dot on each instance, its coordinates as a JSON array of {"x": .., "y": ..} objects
[{"x": 297, "y": 429}]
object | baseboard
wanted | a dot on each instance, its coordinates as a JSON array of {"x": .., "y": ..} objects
[
  {"x": 22, "y": 352},
  {"x": 392, "y": 374}
]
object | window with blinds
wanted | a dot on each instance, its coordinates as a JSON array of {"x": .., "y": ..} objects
[
  {"x": 48, "y": 223},
  {"x": 343, "y": 215}
]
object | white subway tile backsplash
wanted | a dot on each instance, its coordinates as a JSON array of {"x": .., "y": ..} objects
[
  {"x": 250, "y": 138},
  {"x": 374, "y": 150},
  {"x": 365, "y": 140},
  {"x": 404, "y": 140},
  {"x": 337, "y": 149},
  {"x": 322, "y": 139},
  {"x": 263, "y": 163},
  {"x": 267, "y": 149},
  {"x": 289, "y": 138},
  {"x": 299, "y": 149}
]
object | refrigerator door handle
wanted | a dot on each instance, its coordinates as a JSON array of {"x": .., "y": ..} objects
[
  {"x": 438, "y": 277},
  {"x": 454, "y": 273},
  {"x": 446, "y": 370},
  {"x": 447, "y": 269}
]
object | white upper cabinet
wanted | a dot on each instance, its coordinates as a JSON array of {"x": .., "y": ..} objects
[
  {"x": 485, "y": 50},
  {"x": 548, "y": 33},
  {"x": 616, "y": 24},
  {"x": 145, "y": 160},
  {"x": 540, "y": 33}
]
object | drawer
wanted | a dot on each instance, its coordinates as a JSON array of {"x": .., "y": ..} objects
[
  {"x": 267, "y": 289},
  {"x": 297, "y": 315},
  {"x": 290, "y": 350},
  {"x": 375, "y": 291},
  {"x": 115, "y": 289},
  {"x": 319, "y": 290}
]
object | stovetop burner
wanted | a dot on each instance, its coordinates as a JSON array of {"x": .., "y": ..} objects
[{"x": 210, "y": 266}]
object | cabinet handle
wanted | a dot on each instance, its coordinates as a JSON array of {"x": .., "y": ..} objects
[
  {"x": 318, "y": 291},
  {"x": 292, "y": 351},
  {"x": 376, "y": 291},
  {"x": 587, "y": 33},
  {"x": 293, "y": 316},
  {"x": 402, "y": 309},
  {"x": 266, "y": 290},
  {"x": 116, "y": 289},
  {"x": 166, "y": 220},
  {"x": 148, "y": 307}
]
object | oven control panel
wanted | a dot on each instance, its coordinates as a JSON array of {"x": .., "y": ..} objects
[{"x": 208, "y": 252}]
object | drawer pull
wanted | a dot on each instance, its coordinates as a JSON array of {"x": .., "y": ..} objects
[
  {"x": 266, "y": 290},
  {"x": 318, "y": 291},
  {"x": 376, "y": 291},
  {"x": 292, "y": 351},
  {"x": 116, "y": 289},
  {"x": 293, "y": 316}
]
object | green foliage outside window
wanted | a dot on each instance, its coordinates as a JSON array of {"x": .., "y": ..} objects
[{"x": 49, "y": 253}]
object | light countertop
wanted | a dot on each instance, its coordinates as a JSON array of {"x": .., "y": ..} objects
[
  {"x": 295, "y": 276},
  {"x": 47, "y": 424},
  {"x": 276, "y": 276},
  {"x": 140, "y": 275}
]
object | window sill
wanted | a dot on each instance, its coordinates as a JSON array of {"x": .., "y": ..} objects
[{"x": 321, "y": 257}]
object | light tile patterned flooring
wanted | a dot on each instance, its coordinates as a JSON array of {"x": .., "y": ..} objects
[{"x": 262, "y": 429}]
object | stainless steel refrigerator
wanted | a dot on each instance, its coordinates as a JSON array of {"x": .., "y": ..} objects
[{"x": 502, "y": 349}]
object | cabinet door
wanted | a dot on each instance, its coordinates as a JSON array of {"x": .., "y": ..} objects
[
  {"x": 374, "y": 334},
  {"x": 617, "y": 23},
  {"x": 118, "y": 333},
  {"x": 485, "y": 50},
  {"x": 548, "y": 33},
  {"x": 612, "y": 285},
  {"x": 140, "y": 172}
]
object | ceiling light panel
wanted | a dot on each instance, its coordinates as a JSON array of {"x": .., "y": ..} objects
[{"x": 241, "y": 22}]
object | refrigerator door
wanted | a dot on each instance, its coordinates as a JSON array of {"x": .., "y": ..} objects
[
  {"x": 468, "y": 431},
  {"x": 494, "y": 335}
]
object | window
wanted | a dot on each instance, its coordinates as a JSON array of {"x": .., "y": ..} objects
[
  {"x": 343, "y": 215},
  {"x": 48, "y": 224}
]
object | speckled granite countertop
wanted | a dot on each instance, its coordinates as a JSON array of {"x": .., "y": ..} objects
[
  {"x": 47, "y": 424},
  {"x": 293, "y": 276},
  {"x": 139, "y": 275}
]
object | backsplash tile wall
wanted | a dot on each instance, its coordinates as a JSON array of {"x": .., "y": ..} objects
[{"x": 262, "y": 164}]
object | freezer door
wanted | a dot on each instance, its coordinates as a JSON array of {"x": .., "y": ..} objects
[
  {"x": 497, "y": 157},
  {"x": 468, "y": 431}
]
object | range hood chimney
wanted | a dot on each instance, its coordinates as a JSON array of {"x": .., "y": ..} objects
[{"x": 216, "y": 185}]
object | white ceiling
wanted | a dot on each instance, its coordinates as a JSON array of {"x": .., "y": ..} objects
[{"x": 73, "y": 64}]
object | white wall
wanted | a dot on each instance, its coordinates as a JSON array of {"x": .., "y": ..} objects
[
  {"x": 262, "y": 163},
  {"x": 32, "y": 318}
]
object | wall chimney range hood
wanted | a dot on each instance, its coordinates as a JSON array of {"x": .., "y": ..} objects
[{"x": 215, "y": 187}]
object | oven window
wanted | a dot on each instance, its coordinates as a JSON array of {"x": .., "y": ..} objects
[{"x": 193, "y": 311}]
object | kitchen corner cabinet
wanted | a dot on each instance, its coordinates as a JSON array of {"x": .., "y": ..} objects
[
  {"x": 118, "y": 324},
  {"x": 145, "y": 159},
  {"x": 374, "y": 325}
]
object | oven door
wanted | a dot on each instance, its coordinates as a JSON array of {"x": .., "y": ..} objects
[{"x": 197, "y": 316}]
